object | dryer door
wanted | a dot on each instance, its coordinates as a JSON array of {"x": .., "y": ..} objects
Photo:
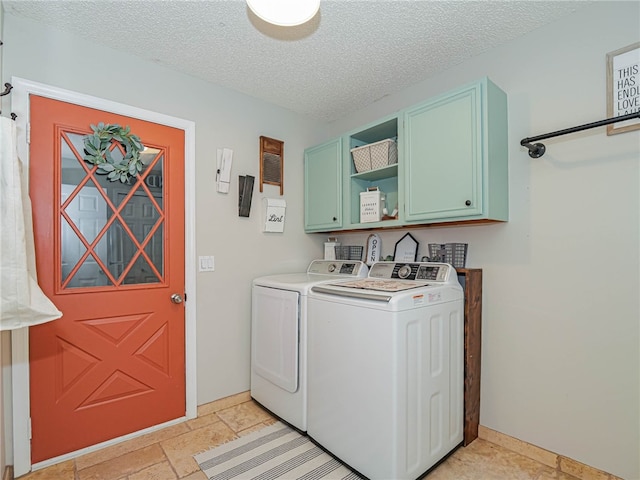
[{"x": 274, "y": 336}]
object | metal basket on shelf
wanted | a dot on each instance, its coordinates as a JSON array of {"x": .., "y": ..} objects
[
  {"x": 349, "y": 252},
  {"x": 452, "y": 253}
]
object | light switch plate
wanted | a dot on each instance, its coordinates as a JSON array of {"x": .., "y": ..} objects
[{"x": 206, "y": 264}]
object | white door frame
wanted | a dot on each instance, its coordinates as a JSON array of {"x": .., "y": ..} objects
[{"x": 20, "y": 338}]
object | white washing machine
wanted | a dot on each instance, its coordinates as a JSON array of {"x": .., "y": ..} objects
[
  {"x": 279, "y": 336},
  {"x": 386, "y": 380}
]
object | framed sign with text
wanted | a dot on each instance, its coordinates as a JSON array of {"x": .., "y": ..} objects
[{"x": 623, "y": 87}]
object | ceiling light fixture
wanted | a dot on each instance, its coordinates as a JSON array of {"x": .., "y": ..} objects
[{"x": 285, "y": 13}]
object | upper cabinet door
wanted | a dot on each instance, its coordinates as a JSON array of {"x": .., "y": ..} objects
[
  {"x": 456, "y": 157},
  {"x": 443, "y": 155},
  {"x": 323, "y": 187}
]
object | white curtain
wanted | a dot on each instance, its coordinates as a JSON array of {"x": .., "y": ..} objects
[{"x": 22, "y": 301}]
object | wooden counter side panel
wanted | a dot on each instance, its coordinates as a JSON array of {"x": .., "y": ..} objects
[{"x": 472, "y": 351}]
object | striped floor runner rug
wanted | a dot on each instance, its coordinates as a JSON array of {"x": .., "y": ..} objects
[{"x": 273, "y": 452}]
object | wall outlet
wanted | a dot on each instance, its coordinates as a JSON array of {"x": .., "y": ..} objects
[{"x": 206, "y": 264}]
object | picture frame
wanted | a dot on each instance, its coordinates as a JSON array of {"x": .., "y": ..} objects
[
  {"x": 406, "y": 249},
  {"x": 623, "y": 87}
]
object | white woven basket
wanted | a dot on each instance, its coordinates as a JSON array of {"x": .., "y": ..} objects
[{"x": 375, "y": 155}]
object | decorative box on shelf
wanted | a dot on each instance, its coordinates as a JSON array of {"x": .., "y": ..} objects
[
  {"x": 371, "y": 205},
  {"x": 375, "y": 155}
]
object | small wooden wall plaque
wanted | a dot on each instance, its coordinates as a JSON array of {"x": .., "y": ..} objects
[{"x": 272, "y": 163}]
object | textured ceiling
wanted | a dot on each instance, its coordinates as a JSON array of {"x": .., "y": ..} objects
[{"x": 351, "y": 54}]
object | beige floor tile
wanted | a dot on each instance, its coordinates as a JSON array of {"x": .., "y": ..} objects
[
  {"x": 60, "y": 471},
  {"x": 168, "y": 454},
  {"x": 126, "y": 464},
  {"x": 523, "y": 448},
  {"x": 180, "y": 450},
  {"x": 120, "y": 449},
  {"x": 556, "y": 475},
  {"x": 195, "y": 476},
  {"x": 256, "y": 427},
  {"x": 511, "y": 460},
  {"x": 159, "y": 471},
  {"x": 482, "y": 460},
  {"x": 223, "y": 403},
  {"x": 203, "y": 421},
  {"x": 453, "y": 469},
  {"x": 243, "y": 416}
]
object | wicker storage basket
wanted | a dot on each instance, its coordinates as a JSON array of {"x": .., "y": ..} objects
[{"x": 375, "y": 155}]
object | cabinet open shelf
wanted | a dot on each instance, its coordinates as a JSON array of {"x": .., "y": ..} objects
[
  {"x": 385, "y": 178},
  {"x": 378, "y": 173},
  {"x": 374, "y": 133}
]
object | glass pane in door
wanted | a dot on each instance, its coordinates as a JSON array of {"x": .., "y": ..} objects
[{"x": 111, "y": 233}]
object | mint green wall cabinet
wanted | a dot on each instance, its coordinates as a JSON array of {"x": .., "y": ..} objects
[
  {"x": 451, "y": 169},
  {"x": 323, "y": 187},
  {"x": 455, "y": 156}
]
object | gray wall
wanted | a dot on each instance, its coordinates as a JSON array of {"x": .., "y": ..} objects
[
  {"x": 561, "y": 279},
  {"x": 223, "y": 119}
]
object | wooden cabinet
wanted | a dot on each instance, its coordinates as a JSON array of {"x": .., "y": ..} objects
[
  {"x": 471, "y": 281},
  {"x": 323, "y": 187},
  {"x": 455, "y": 156},
  {"x": 451, "y": 168}
]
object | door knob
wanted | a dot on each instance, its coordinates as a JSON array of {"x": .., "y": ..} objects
[{"x": 176, "y": 298}]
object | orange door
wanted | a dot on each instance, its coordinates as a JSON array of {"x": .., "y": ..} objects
[{"x": 110, "y": 255}]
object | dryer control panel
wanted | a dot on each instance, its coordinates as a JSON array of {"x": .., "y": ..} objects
[
  {"x": 349, "y": 268},
  {"x": 433, "y": 272}
]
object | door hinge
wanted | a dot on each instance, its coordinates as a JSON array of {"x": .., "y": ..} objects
[
  {"x": 29, "y": 133},
  {"x": 29, "y": 427},
  {"x": 185, "y": 296}
]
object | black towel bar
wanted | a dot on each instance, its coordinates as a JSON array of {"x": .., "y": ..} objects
[{"x": 536, "y": 150}]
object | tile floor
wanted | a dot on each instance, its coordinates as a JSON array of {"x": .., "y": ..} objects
[{"x": 167, "y": 454}]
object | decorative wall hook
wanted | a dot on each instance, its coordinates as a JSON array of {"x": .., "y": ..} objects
[{"x": 7, "y": 89}]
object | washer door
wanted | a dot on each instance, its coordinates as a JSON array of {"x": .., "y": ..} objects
[{"x": 274, "y": 336}]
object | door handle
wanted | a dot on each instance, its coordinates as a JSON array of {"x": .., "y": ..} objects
[{"x": 176, "y": 298}]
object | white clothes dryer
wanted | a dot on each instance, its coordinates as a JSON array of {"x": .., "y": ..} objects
[
  {"x": 279, "y": 336},
  {"x": 386, "y": 380}
]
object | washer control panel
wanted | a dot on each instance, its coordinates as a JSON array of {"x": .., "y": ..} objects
[{"x": 433, "y": 272}]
